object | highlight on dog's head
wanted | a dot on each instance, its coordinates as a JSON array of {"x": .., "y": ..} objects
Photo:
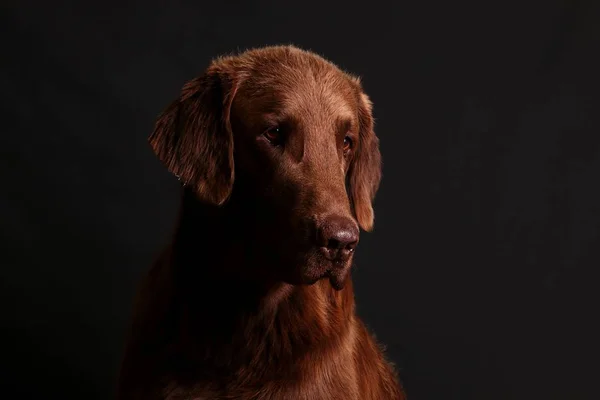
[{"x": 291, "y": 134}]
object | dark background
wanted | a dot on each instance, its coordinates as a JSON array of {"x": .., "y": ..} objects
[{"x": 481, "y": 273}]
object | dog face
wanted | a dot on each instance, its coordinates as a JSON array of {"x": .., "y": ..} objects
[{"x": 285, "y": 138}]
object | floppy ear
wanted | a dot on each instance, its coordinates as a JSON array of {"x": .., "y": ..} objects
[
  {"x": 365, "y": 168},
  {"x": 193, "y": 137}
]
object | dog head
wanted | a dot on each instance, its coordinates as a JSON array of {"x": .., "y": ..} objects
[{"x": 285, "y": 138}]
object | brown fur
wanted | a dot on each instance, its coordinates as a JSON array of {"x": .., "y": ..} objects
[{"x": 238, "y": 306}]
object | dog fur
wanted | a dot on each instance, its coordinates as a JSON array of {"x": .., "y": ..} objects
[{"x": 272, "y": 145}]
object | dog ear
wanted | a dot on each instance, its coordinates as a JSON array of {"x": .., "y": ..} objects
[
  {"x": 193, "y": 139},
  {"x": 365, "y": 169}
]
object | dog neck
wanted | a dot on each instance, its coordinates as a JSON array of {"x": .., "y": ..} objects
[{"x": 230, "y": 323}]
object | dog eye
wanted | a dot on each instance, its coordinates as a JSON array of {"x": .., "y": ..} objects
[
  {"x": 274, "y": 135},
  {"x": 348, "y": 144}
]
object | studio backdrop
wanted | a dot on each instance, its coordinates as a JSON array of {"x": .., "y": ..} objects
[{"x": 481, "y": 273}]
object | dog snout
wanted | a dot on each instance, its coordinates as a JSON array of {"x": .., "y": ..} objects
[{"x": 338, "y": 236}]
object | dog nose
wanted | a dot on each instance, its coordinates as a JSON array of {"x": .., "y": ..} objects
[{"x": 338, "y": 237}]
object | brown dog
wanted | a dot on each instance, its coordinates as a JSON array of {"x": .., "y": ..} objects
[{"x": 252, "y": 300}]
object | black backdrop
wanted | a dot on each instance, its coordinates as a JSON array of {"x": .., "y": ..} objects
[{"x": 480, "y": 274}]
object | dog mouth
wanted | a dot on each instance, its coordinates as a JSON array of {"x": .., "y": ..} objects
[
  {"x": 337, "y": 278},
  {"x": 310, "y": 265},
  {"x": 318, "y": 268}
]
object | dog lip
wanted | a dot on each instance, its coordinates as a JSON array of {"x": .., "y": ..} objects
[
  {"x": 336, "y": 283},
  {"x": 337, "y": 278},
  {"x": 337, "y": 255},
  {"x": 313, "y": 280}
]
